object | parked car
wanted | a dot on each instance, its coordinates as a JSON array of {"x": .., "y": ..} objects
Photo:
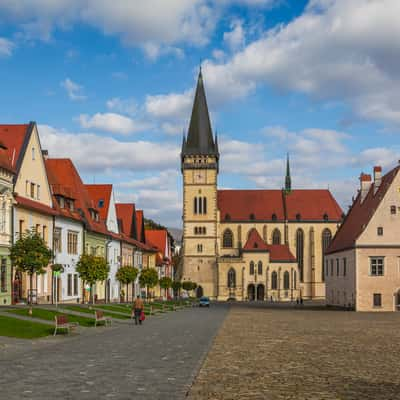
[{"x": 204, "y": 302}]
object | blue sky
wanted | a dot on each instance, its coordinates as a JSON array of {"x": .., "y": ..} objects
[{"x": 110, "y": 85}]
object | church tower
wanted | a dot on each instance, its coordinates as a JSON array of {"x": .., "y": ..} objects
[{"x": 199, "y": 165}]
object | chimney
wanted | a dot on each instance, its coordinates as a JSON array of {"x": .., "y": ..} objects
[
  {"x": 365, "y": 184},
  {"x": 377, "y": 177},
  {"x": 45, "y": 154}
]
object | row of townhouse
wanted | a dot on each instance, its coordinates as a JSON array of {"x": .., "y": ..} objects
[
  {"x": 362, "y": 263},
  {"x": 48, "y": 195}
]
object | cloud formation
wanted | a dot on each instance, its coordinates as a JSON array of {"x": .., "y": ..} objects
[
  {"x": 74, "y": 90},
  {"x": 6, "y": 47}
]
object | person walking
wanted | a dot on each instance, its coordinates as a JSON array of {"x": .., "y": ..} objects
[{"x": 138, "y": 309}]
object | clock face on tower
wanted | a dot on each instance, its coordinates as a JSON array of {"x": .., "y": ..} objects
[{"x": 199, "y": 177}]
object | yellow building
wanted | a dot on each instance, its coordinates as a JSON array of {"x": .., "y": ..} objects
[{"x": 292, "y": 228}]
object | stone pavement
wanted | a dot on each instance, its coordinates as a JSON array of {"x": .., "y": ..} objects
[
  {"x": 155, "y": 361},
  {"x": 276, "y": 353}
]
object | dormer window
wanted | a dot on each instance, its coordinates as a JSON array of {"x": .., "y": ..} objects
[
  {"x": 274, "y": 218},
  {"x": 392, "y": 210},
  {"x": 256, "y": 245},
  {"x": 61, "y": 201},
  {"x": 298, "y": 217},
  {"x": 101, "y": 203},
  {"x": 252, "y": 217},
  {"x": 326, "y": 217},
  {"x": 227, "y": 217}
]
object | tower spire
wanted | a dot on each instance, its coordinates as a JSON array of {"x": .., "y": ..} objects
[
  {"x": 288, "y": 179},
  {"x": 200, "y": 139}
]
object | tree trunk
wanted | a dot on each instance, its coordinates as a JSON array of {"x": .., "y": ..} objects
[
  {"x": 92, "y": 291},
  {"x": 30, "y": 294},
  {"x": 127, "y": 292}
]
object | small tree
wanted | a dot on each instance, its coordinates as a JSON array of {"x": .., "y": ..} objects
[
  {"x": 165, "y": 282},
  {"x": 148, "y": 278},
  {"x": 30, "y": 254},
  {"x": 187, "y": 285},
  {"x": 126, "y": 275},
  {"x": 176, "y": 286},
  {"x": 92, "y": 269}
]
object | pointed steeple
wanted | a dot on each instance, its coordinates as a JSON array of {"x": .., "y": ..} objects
[
  {"x": 288, "y": 179},
  {"x": 200, "y": 138}
]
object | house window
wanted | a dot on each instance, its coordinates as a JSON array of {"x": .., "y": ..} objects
[
  {"x": 199, "y": 248},
  {"x": 344, "y": 266},
  {"x": 21, "y": 228},
  {"x": 377, "y": 266},
  {"x": 37, "y": 229},
  {"x": 259, "y": 268},
  {"x": 72, "y": 242},
  {"x": 276, "y": 236},
  {"x": 57, "y": 240},
  {"x": 337, "y": 267},
  {"x": 377, "y": 299},
  {"x": 393, "y": 210},
  {"x": 379, "y": 231},
  {"x": 69, "y": 285},
  {"x": 71, "y": 205},
  {"x": 3, "y": 275},
  {"x": 75, "y": 284},
  {"x": 227, "y": 239},
  {"x": 38, "y": 192},
  {"x": 251, "y": 268},
  {"x": 32, "y": 190},
  {"x": 33, "y": 153},
  {"x": 332, "y": 267},
  {"x": 326, "y": 241},
  {"x": 44, "y": 233}
]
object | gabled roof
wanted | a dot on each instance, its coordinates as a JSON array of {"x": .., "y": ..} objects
[
  {"x": 158, "y": 239},
  {"x": 200, "y": 138},
  {"x": 277, "y": 252},
  {"x": 140, "y": 226},
  {"x": 5, "y": 161},
  {"x": 34, "y": 205},
  {"x": 64, "y": 169},
  {"x": 360, "y": 214},
  {"x": 126, "y": 217},
  {"x": 14, "y": 137},
  {"x": 101, "y": 195},
  {"x": 269, "y": 205}
]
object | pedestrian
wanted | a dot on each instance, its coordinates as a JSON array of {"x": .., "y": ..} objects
[
  {"x": 301, "y": 300},
  {"x": 138, "y": 309},
  {"x": 297, "y": 301}
]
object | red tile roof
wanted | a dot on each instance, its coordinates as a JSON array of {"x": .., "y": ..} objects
[
  {"x": 360, "y": 214},
  {"x": 63, "y": 170},
  {"x": 100, "y": 193},
  {"x": 140, "y": 226},
  {"x": 277, "y": 252},
  {"x": 5, "y": 161},
  {"x": 13, "y": 137},
  {"x": 126, "y": 215},
  {"x": 158, "y": 239},
  {"x": 34, "y": 205},
  {"x": 266, "y": 205}
]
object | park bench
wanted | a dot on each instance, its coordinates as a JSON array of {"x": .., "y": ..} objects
[
  {"x": 99, "y": 317},
  {"x": 62, "y": 322}
]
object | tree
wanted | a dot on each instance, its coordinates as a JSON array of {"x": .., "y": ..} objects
[
  {"x": 148, "y": 278},
  {"x": 165, "y": 282},
  {"x": 30, "y": 254},
  {"x": 126, "y": 275},
  {"x": 176, "y": 286},
  {"x": 92, "y": 269},
  {"x": 187, "y": 285}
]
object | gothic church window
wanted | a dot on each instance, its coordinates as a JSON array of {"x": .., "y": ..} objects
[
  {"x": 300, "y": 252},
  {"x": 276, "y": 236},
  {"x": 227, "y": 240},
  {"x": 326, "y": 241},
  {"x": 251, "y": 268},
  {"x": 286, "y": 280},
  {"x": 274, "y": 281},
  {"x": 259, "y": 268},
  {"x": 231, "y": 278}
]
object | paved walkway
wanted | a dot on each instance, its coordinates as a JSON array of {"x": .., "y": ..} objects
[
  {"x": 155, "y": 361},
  {"x": 303, "y": 354}
]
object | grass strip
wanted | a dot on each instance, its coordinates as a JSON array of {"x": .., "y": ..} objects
[{"x": 18, "y": 328}]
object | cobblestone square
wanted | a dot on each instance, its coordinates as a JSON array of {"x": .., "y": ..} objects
[{"x": 278, "y": 353}]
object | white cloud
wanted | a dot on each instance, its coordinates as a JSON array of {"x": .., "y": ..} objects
[
  {"x": 111, "y": 122},
  {"x": 6, "y": 47},
  {"x": 73, "y": 90},
  {"x": 173, "y": 105},
  {"x": 236, "y": 37},
  {"x": 126, "y": 106},
  {"x": 93, "y": 152},
  {"x": 382, "y": 156},
  {"x": 336, "y": 50},
  {"x": 172, "y": 128}
]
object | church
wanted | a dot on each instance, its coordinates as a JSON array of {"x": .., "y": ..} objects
[{"x": 249, "y": 244}]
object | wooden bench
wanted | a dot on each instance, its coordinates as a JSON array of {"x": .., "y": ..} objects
[
  {"x": 62, "y": 322},
  {"x": 99, "y": 317}
]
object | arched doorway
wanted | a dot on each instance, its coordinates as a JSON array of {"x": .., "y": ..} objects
[
  {"x": 260, "y": 292},
  {"x": 251, "y": 291},
  {"x": 199, "y": 292}
]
